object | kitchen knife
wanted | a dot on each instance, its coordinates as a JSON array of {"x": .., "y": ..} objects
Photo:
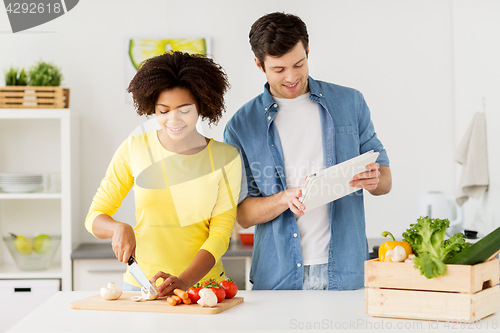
[{"x": 139, "y": 276}]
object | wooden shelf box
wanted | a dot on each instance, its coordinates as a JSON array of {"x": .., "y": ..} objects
[
  {"x": 397, "y": 290},
  {"x": 34, "y": 97}
]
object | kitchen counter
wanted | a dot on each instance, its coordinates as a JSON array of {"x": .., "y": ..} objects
[{"x": 261, "y": 311}]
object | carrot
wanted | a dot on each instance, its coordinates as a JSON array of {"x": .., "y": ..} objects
[
  {"x": 181, "y": 293},
  {"x": 171, "y": 301},
  {"x": 187, "y": 301},
  {"x": 177, "y": 299}
]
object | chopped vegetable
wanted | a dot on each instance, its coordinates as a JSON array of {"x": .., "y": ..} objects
[
  {"x": 229, "y": 287},
  {"x": 207, "y": 297},
  {"x": 149, "y": 294},
  {"x": 219, "y": 292},
  {"x": 171, "y": 301},
  {"x": 216, "y": 288},
  {"x": 410, "y": 258},
  {"x": 111, "y": 292},
  {"x": 180, "y": 296},
  {"x": 193, "y": 293},
  {"x": 396, "y": 255},
  {"x": 390, "y": 246},
  {"x": 177, "y": 299},
  {"x": 181, "y": 293},
  {"x": 426, "y": 238}
]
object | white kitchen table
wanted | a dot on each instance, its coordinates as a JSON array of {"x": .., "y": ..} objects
[{"x": 261, "y": 311}]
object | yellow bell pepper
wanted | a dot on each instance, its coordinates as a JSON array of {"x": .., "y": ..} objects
[{"x": 391, "y": 247}]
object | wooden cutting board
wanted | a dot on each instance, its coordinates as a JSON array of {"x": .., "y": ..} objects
[{"x": 125, "y": 303}]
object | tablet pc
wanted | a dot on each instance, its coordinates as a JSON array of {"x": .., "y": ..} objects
[{"x": 332, "y": 183}]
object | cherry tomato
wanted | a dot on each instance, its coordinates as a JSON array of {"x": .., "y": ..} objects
[
  {"x": 208, "y": 282},
  {"x": 219, "y": 292},
  {"x": 193, "y": 293},
  {"x": 216, "y": 288},
  {"x": 229, "y": 287}
]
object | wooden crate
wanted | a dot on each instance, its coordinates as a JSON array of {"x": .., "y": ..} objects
[
  {"x": 397, "y": 290},
  {"x": 34, "y": 97}
]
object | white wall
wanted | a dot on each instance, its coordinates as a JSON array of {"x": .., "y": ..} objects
[
  {"x": 477, "y": 87},
  {"x": 402, "y": 55}
]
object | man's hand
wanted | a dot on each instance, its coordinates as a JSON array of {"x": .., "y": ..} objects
[
  {"x": 291, "y": 196},
  {"x": 257, "y": 210},
  {"x": 377, "y": 180},
  {"x": 369, "y": 179}
]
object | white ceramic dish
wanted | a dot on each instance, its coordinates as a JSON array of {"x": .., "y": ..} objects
[{"x": 20, "y": 188}]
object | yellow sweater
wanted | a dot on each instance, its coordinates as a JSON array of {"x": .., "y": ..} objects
[{"x": 183, "y": 203}]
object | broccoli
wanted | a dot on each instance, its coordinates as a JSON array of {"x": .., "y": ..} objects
[{"x": 426, "y": 238}]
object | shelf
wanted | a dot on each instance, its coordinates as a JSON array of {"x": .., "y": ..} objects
[
  {"x": 10, "y": 271},
  {"x": 57, "y": 150},
  {"x": 33, "y": 113},
  {"x": 40, "y": 195}
]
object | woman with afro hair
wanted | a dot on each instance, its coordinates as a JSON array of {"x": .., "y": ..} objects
[{"x": 186, "y": 186}]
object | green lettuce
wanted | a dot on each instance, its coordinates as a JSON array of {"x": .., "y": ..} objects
[{"x": 427, "y": 239}]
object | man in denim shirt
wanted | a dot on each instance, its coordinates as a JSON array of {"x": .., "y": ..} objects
[{"x": 295, "y": 127}]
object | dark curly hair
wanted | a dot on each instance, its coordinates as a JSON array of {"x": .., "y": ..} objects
[
  {"x": 205, "y": 79},
  {"x": 276, "y": 34}
]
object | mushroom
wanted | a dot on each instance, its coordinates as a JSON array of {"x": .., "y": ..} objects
[
  {"x": 138, "y": 298},
  {"x": 396, "y": 255},
  {"x": 149, "y": 294},
  {"x": 207, "y": 297},
  {"x": 410, "y": 257},
  {"x": 111, "y": 292}
]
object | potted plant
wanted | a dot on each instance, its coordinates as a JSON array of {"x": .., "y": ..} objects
[
  {"x": 41, "y": 88},
  {"x": 44, "y": 74},
  {"x": 14, "y": 77}
]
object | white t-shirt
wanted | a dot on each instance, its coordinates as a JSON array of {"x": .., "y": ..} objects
[{"x": 299, "y": 128}]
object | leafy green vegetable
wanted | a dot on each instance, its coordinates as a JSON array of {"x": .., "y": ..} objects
[
  {"x": 478, "y": 252},
  {"x": 426, "y": 238}
]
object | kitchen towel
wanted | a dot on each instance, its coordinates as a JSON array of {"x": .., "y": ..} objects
[{"x": 472, "y": 153}]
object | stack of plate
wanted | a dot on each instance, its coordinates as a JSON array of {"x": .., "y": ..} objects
[{"x": 20, "y": 182}]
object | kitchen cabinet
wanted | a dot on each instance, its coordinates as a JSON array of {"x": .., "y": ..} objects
[
  {"x": 20, "y": 297},
  {"x": 237, "y": 262},
  {"x": 93, "y": 274},
  {"x": 40, "y": 141}
]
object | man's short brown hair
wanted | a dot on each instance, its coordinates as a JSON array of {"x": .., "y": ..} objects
[{"x": 276, "y": 34}]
